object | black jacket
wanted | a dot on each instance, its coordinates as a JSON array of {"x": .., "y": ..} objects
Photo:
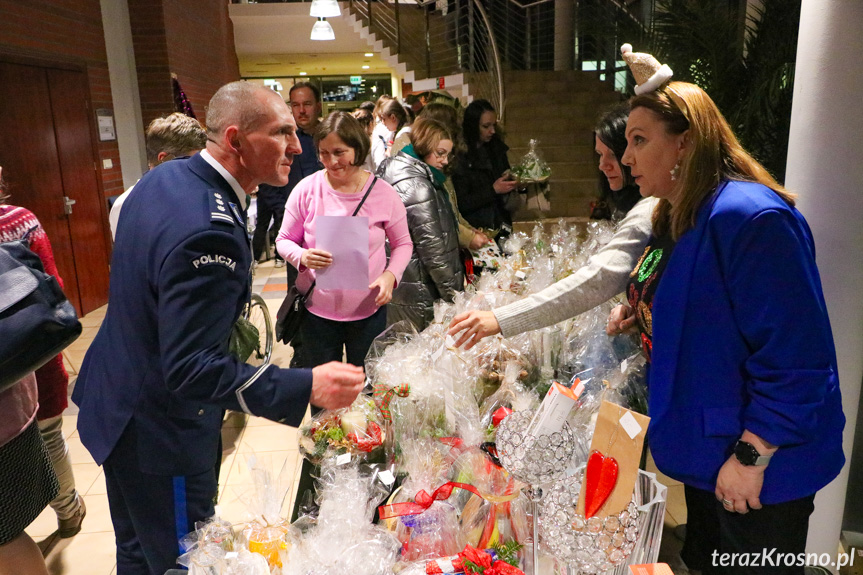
[{"x": 474, "y": 178}]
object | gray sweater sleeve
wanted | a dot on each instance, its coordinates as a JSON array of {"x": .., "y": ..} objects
[{"x": 604, "y": 276}]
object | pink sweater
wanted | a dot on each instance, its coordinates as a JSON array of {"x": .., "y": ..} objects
[{"x": 314, "y": 196}]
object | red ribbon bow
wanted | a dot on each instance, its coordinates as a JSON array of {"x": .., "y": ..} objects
[
  {"x": 422, "y": 501},
  {"x": 488, "y": 565}
]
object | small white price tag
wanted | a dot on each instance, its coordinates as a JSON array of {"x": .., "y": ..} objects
[
  {"x": 387, "y": 477},
  {"x": 629, "y": 425},
  {"x": 343, "y": 459},
  {"x": 578, "y": 389},
  {"x": 437, "y": 353},
  {"x": 520, "y": 275},
  {"x": 449, "y": 341},
  {"x": 231, "y": 555}
]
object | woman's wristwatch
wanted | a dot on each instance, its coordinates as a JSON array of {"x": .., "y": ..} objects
[{"x": 747, "y": 455}]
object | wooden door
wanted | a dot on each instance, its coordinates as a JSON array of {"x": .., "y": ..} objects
[
  {"x": 78, "y": 170},
  {"x": 45, "y": 146},
  {"x": 31, "y": 166}
]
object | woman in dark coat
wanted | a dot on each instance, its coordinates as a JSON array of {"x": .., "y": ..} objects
[
  {"x": 481, "y": 178},
  {"x": 435, "y": 269}
]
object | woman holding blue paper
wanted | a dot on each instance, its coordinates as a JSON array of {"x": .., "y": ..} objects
[{"x": 344, "y": 319}]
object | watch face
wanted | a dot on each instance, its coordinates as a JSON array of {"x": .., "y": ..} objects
[{"x": 746, "y": 453}]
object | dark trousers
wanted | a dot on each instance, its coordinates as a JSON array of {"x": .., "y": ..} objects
[
  {"x": 762, "y": 538},
  {"x": 150, "y": 512},
  {"x": 271, "y": 206},
  {"x": 323, "y": 341}
]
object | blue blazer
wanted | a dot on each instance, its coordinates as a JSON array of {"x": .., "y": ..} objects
[
  {"x": 179, "y": 279},
  {"x": 742, "y": 340}
]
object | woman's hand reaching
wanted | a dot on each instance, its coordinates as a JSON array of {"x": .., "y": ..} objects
[
  {"x": 384, "y": 283},
  {"x": 479, "y": 240},
  {"x": 474, "y": 326},
  {"x": 621, "y": 320},
  {"x": 316, "y": 259}
]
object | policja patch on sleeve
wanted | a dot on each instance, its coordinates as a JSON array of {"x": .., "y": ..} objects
[{"x": 214, "y": 260}]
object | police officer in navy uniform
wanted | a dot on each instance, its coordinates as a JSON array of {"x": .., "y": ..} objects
[{"x": 158, "y": 374}]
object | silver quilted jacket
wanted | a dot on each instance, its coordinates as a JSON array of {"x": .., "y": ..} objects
[{"x": 435, "y": 269}]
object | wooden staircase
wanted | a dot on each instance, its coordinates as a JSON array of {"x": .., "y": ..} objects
[{"x": 559, "y": 108}]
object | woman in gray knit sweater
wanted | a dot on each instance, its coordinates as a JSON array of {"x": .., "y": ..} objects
[{"x": 606, "y": 272}]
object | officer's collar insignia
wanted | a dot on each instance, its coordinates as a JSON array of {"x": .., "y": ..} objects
[{"x": 236, "y": 212}]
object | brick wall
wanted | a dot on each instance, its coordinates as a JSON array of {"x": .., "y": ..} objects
[
  {"x": 66, "y": 31},
  {"x": 193, "y": 39}
]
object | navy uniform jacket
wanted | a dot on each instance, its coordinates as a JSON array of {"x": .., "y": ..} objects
[
  {"x": 179, "y": 279},
  {"x": 742, "y": 340}
]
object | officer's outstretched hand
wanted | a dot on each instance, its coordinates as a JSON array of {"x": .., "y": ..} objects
[{"x": 336, "y": 385}]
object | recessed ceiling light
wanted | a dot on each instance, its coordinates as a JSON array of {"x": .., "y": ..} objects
[
  {"x": 302, "y": 73},
  {"x": 369, "y": 54},
  {"x": 365, "y": 67}
]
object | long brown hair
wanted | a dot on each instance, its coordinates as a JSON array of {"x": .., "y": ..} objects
[{"x": 713, "y": 154}]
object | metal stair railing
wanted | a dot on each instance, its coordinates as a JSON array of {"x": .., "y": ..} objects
[
  {"x": 436, "y": 38},
  {"x": 526, "y": 31}
]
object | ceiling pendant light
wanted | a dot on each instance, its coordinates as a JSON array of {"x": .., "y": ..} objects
[
  {"x": 325, "y": 9},
  {"x": 322, "y": 30}
]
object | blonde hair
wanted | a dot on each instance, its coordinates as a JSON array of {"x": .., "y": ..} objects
[
  {"x": 713, "y": 154},
  {"x": 176, "y": 135},
  {"x": 426, "y": 134}
]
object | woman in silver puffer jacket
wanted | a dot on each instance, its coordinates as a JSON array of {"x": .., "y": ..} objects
[{"x": 435, "y": 269}]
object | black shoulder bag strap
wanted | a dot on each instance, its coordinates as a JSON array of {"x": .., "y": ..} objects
[{"x": 356, "y": 211}]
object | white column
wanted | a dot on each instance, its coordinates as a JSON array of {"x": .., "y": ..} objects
[
  {"x": 825, "y": 167},
  {"x": 564, "y": 34},
  {"x": 124, "y": 89}
]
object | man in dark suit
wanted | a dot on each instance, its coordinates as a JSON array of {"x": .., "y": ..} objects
[{"x": 155, "y": 380}]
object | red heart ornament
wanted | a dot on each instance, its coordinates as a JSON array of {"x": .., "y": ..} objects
[{"x": 599, "y": 481}]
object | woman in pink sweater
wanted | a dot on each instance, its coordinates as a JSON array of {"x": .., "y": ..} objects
[{"x": 340, "y": 318}]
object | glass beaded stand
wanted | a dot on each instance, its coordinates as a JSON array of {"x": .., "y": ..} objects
[
  {"x": 536, "y": 460},
  {"x": 603, "y": 545}
]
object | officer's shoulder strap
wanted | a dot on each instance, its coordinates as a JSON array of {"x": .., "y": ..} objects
[{"x": 220, "y": 210}]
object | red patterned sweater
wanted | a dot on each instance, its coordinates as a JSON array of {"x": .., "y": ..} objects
[{"x": 53, "y": 381}]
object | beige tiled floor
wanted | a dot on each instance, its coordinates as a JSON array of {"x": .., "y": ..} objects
[{"x": 91, "y": 552}]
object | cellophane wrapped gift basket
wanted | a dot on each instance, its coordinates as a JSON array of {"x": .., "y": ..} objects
[{"x": 516, "y": 456}]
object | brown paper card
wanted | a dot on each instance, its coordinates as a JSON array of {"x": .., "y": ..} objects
[{"x": 612, "y": 439}]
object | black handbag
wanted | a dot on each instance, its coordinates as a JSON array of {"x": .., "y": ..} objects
[
  {"x": 290, "y": 316},
  {"x": 36, "y": 320},
  {"x": 291, "y": 313}
]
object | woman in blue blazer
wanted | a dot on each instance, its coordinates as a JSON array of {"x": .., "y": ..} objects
[{"x": 743, "y": 388}]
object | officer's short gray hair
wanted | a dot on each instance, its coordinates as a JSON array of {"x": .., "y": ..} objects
[
  {"x": 236, "y": 104},
  {"x": 176, "y": 135}
]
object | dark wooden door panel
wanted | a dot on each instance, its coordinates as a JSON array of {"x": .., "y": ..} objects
[
  {"x": 73, "y": 132},
  {"x": 28, "y": 154}
]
